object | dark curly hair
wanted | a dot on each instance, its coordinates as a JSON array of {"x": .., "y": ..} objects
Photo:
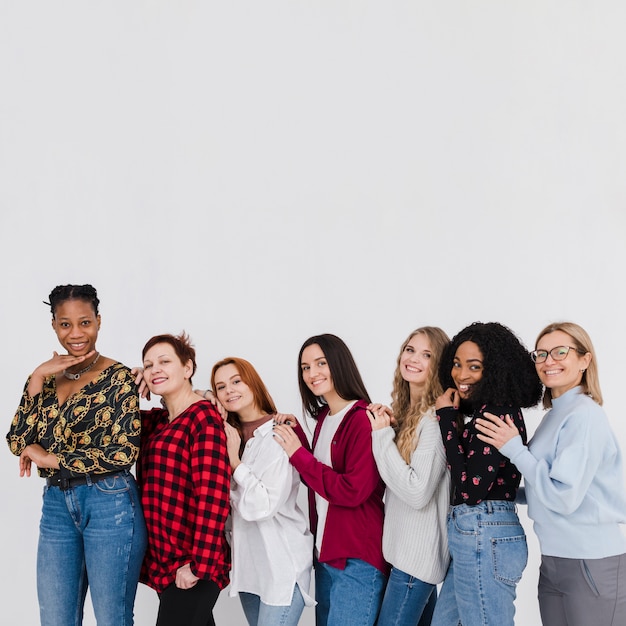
[
  {"x": 62, "y": 293},
  {"x": 509, "y": 376}
]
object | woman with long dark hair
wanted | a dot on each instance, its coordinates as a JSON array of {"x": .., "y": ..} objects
[{"x": 345, "y": 488}]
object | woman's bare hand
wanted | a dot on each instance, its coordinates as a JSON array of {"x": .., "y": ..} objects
[
  {"x": 185, "y": 578},
  {"x": 286, "y": 438},
  {"x": 380, "y": 416},
  {"x": 233, "y": 443},
  {"x": 496, "y": 431},
  {"x": 34, "y": 453},
  {"x": 140, "y": 381}
]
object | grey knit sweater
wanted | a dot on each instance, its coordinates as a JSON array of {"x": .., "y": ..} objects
[{"x": 417, "y": 499}]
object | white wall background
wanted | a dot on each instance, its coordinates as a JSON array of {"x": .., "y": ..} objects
[{"x": 258, "y": 172}]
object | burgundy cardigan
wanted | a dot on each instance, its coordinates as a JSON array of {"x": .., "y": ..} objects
[{"x": 353, "y": 488}]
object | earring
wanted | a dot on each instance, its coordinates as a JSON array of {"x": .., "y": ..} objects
[{"x": 582, "y": 370}]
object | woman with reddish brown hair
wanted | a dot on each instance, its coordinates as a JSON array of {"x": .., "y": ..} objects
[
  {"x": 270, "y": 532},
  {"x": 184, "y": 480}
]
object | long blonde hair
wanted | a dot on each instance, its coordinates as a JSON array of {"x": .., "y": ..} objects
[
  {"x": 407, "y": 416},
  {"x": 582, "y": 342}
]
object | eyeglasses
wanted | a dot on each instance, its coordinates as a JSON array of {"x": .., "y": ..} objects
[{"x": 557, "y": 354}]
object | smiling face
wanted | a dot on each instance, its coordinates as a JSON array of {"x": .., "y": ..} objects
[
  {"x": 415, "y": 361},
  {"x": 234, "y": 395},
  {"x": 467, "y": 368},
  {"x": 561, "y": 376},
  {"x": 163, "y": 370},
  {"x": 76, "y": 326},
  {"x": 315, "y": 371}
]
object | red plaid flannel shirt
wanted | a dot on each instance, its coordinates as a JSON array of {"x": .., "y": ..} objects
[{"x": 184, "y": 477}]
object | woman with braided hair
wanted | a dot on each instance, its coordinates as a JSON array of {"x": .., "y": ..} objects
[{"x": 78, "y": 422}]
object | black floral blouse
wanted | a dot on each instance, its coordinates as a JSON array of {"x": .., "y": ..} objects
[
  {"x": 96, "y": 430},
  {"x": 478, "y": 471}
]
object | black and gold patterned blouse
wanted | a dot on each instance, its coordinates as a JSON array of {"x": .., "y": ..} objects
[{"x": 96, "y": 430}]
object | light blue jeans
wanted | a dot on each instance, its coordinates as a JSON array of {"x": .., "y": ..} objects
[
  {"x": 408, "y": 601},
  {"x": 260, "y": 614},
  {"x": 90, "y": 535},
  {"x": 488, "y": 555},
  {"x": 350, "y": 596}
]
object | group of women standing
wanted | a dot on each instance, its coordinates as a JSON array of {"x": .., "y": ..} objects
[{"x": 402, "y": 499}]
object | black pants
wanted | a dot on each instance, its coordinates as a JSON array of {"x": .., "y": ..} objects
[{"x": 188, "y": 607}]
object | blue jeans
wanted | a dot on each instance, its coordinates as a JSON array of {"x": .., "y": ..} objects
[
  {"x": 408, "y": 601},
  {"x": 488, "y": 555},
  {"x": 260, "y": 614},
  {"x": 350, "y": 596},
  {"x": 90, "y": 535}
]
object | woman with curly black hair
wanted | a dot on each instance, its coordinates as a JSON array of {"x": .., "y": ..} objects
[{"x": 484, "y": 369}]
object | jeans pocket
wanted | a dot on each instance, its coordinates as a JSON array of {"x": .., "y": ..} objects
[
  {"x": 466, "y": 524},
  {"x": 117, "y": 483},
  {"x": 509, "y": 557}
]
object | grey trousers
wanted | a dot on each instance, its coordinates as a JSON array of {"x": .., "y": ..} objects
[{"x": 583, "y": 592}]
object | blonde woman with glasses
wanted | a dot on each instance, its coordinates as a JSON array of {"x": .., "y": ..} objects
[{"x": 574, "y": 481}]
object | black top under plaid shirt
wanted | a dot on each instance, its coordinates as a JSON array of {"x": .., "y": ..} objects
[{"x": 184, "y": 477}]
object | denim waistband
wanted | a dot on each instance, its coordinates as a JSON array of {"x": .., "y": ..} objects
[
  {"x": 488, "y": 506},
  {"x": 67, "y": 482}
]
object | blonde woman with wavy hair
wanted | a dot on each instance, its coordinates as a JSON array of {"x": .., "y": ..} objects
[{"x": 411, "y": 459}]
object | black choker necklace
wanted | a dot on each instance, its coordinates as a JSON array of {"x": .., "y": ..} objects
[{"x": 72, "y": 376}]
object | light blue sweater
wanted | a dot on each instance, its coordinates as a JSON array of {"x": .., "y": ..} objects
[{"x": 574, "y": 480}]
